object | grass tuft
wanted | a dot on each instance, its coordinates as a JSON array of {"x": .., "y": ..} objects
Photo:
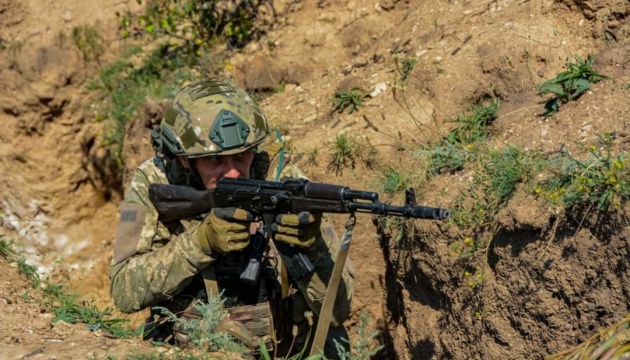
[
  {"x": 65, "y": 306},
  {"x": 343, "y": 152}
]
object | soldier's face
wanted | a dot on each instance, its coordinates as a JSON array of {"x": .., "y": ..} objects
[{"x": 211, "y": 169}]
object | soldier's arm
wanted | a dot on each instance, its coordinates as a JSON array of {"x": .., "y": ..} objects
[{"x": 150, "y": 264}]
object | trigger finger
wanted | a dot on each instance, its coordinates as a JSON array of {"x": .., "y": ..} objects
[
  {"x": 242, "y": 215},
  {"x": 287, "y": 219},
  {"x": 301, "y": 219}
]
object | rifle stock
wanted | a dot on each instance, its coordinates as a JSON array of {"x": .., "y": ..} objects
[{"x": 174, "y": 202}]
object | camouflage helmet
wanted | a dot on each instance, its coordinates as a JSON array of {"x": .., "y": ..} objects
[{"x": 212, "y": 118}]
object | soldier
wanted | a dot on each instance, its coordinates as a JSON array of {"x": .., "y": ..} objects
[{"x": 212, "y": 131}]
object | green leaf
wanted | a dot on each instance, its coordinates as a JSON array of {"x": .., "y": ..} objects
[
  {"x": 63, "y": 316},
  {"x": 547, "y": 88},
  {"x": 580, "y": 86},
  {"x": 263, "y": 350},
  {"x": 314, "y": 357},
  {"x": 551, "y": 107}
]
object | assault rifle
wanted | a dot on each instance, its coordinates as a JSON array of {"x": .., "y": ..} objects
[{"x": 266, "y": 199}]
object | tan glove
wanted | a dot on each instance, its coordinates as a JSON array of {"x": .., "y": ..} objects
[
  {"x": 298, "y": 230},
  {"x": 225, "y": 230}
]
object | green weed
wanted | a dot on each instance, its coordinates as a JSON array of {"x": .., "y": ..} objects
[
  {"x": 404, "y": 68},
  {"x": 363, "y": 348},
  {"x": 195, "y": 24},
  {"x": 454, "y": 150},
  {"x": 368, "y": 154},
  {"x": 497, "y": 174},
  {"x": 88, "y": 41},
  {"x": 395, "y": 180},
  {"x": 312, "y": 155},
  {"x": 570, "y": 84},
  {"x": 201, "y": 332},
  {"x": 343, "y": 152},
  {"x": 350, "y": 100},
  {"x": 602, "y": 179},
  {"x": 446, "y": 158},
  {"x": 15, "y": 47},
  {"x": 472, "y": 126},
  {"x": 61, "y": 39}
]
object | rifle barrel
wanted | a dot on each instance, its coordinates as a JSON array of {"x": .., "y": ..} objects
[{"x": 419, "y": 212}]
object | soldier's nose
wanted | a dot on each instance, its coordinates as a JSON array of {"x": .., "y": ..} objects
[{"x": 231, "y": 170}]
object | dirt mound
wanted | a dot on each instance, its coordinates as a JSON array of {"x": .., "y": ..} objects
[{"x": 548, "y": 280}]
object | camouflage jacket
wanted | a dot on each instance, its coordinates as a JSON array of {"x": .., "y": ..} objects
[{"x": 153, "y": 263}]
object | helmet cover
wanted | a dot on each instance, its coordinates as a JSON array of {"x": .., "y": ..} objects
[{"x": 212, "y": 118}]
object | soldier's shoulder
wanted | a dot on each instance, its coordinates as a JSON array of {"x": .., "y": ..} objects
[
  {"x": 152, "y": 171},
  {"x": 292, "y": 171}
]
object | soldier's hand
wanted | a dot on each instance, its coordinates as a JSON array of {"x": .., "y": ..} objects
[
  {"x": 225, "y": 230},
  {"x": 297, "y": 229}
]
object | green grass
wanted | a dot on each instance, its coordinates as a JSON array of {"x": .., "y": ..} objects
[
  {"x": 122, "y": 87},
  {"x": 472, "y": 126},
  {"x": 87, "y": 40},
  {"x": 342, "y": 152},
  {"x": 65, "y": 306},
  {"x": 395, "y": 180},
  {"x": 445, "y": 158},
  {"x": 570, "y": 84}
]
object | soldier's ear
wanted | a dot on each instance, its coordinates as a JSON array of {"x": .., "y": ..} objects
[{"x": 184, "y": 161}]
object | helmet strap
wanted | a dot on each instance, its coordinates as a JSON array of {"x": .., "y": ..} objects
[{"x": 192, "y": 176}]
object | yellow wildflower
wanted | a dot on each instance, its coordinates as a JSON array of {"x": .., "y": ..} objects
[{"x": 468, "y": 241}]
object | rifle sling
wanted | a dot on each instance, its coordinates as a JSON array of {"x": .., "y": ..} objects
[
  {"x": 323, "y": 324},
  {"x": 210, "y": 281}
]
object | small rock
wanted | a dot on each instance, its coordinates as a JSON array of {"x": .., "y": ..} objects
[
  {"x": 378, "y": 89},
  {"x": 310, "y": 118},
  {"x": 67, "y": 16}
]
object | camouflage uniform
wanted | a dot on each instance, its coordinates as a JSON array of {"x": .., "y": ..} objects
[{"x": 161, "y": 264}]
